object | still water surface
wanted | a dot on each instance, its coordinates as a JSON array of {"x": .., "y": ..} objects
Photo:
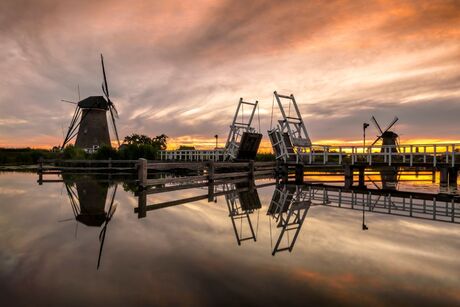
[{"x": 189, "y": 254}]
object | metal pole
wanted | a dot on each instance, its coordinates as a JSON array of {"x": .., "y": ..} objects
[{"x": 365, "y": 125}]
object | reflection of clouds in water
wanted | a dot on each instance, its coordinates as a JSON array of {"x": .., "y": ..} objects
[
  {"x": 188, "y": 255},
  {"x": 8, "y": 262},
  {"x": 11, "y": 191}
]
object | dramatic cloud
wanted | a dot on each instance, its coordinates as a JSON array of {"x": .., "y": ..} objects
[{"x": 180, "y": 67}]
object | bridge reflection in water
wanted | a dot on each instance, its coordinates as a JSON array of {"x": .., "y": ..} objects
[{"x": 291, "y": 203}]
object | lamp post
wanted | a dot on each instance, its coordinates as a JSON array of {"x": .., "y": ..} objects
[
  {"x": 365, "y": 125},
  {"x": 217, "y": 139}
]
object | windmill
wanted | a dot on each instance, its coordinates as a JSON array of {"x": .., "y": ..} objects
[
  {"x": 89, "y": 122},
  {"x": 389, "y": 138}
]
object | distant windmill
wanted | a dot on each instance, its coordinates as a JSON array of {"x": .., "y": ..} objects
[
  {"x": 89, "y": 122},
  {"x": 388, "y": 137}
]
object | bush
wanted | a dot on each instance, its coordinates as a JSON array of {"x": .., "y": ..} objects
[
  {"x": 135, "y": 151},
  {"x": 105, "y": 152},
  {"x": 15, "y": 156},
  {"x": 265, "y": 157},
  {"x": 74, "y": 153}
]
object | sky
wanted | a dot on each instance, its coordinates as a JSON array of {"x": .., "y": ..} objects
[{"x": 180, "y": 67}]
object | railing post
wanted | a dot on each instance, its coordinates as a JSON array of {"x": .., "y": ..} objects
[
  {"x": 324, "y": 155},
  {"x": 453, "y": 155},
  {"x": 389, "y": 156},
  {"x": 142, "y": 172},
  {"x": 447, "y": 154},
  {"x": 424, "y": 154},
  {"x": 370, "y": 155},
  {"x": 340, "y": 155},
  {"x": 434, "y": 155},
  {"x": 411, "y": 159},
  {"x": 353, "y": 155}
]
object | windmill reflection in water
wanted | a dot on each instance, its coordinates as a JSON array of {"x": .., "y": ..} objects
[{"x": 88, "y": 199}]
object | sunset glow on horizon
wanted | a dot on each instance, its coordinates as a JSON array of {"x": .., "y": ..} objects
[{"x": 180, "y": 67}]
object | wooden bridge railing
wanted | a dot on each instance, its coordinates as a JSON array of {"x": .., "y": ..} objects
[
  {"x": 427, "y": 154},
  {"x": 206, "y": 171}
]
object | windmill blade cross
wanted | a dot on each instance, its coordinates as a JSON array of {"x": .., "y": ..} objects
[
  {"x": 114, "y": 126},
  {"x": 376, "y": 140},
  {"x": 376, "y": 124},
  {"x": 112, "y": 105},
  {"x": 105, "y": 78},
  {"x": 68, "y": 101},
  {"x": 103, "y": 232},
  {"x": 392, "y": 123}
]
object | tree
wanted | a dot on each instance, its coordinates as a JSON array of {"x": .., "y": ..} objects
[{"x": 159, "y": 141}]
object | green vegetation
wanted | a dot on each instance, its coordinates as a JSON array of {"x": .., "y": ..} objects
[
  {"x": 158, "y": 142},
  {"x": 16, "y": 156},
  {"x": 265, "y": 157},
  {"x": 135, "y": 146}
]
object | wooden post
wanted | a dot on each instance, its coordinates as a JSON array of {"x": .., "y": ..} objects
[
  {"x": 142, "y": 203},
  {"x": 285, "y": 173},
  {"x": 299, "y": 173},
  {"x": 251, "y": 175},
  {"x": 277, "y": 170},
  {"x": 142, "y": 172},
  {"x": 444, "y": 176},
  {"x": 453, "y": 176},
  {"x": 251, "y": 170},
  {"x": 211, "y": 169},
  {"x": 348, "y": 176},
  {"x": 40, "y": 171},
  {"x": 110, "y": 163}
]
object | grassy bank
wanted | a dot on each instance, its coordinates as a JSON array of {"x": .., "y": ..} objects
[{"x": 29, "y": 156}]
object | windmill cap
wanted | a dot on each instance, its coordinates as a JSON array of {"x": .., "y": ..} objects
[
  {"x": 94, "y": 102},
  {"x": 389, "y": 134}
]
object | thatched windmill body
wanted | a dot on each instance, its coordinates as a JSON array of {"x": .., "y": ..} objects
[{"x": 89, "y": 123}]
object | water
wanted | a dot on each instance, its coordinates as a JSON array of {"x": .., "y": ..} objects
[{"x": 189, "y": 255}]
